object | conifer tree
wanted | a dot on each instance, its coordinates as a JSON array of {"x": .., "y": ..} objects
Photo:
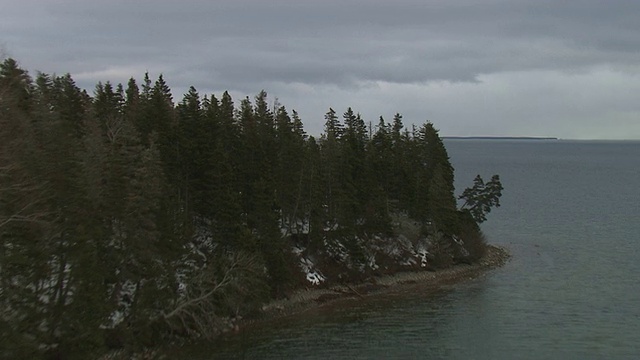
[
  {"x": 331, "y": 170},
  {"x": 53, "y": 242},
  {"x": 289, "y": 171},
  {"x": 380, "y": 162},
  {"x": 380, "y": 156},
  {"x": 24, "y": 217},
  {"x": 310, "y": 197},
  {"x": 229, "y": 226},
  {"x": 435, "y": 200},
  {"x": 16, "y": 85},
  {"x": 189, "y": 141},
  {"x": 353, "y": 174},
  {"x": 71, "y": 103},
  {"x": 160, "y": 118},
  {"x": 481, "y": 197}
]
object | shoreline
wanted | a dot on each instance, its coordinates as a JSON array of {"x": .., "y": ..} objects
[
  {"x": 316, "y": 299},
  {"x": 325, "y": 299}
]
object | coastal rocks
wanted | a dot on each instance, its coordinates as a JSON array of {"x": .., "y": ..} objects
[
  {"x": 310, "y": 298},
  {"x": 495, "y": 257}
]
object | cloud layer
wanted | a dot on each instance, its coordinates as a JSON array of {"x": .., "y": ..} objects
[{"x": 496, "y": 67}]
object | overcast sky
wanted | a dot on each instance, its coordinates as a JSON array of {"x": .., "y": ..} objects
[{"x": 569, "y": 69}]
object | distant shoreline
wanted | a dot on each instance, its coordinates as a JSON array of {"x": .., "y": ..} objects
[{"x": 498, "y": 138}]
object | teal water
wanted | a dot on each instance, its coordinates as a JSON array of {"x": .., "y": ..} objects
[{"x": 569, "y": 216}]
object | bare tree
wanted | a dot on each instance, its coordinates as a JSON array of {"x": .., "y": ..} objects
[{"x": 213, "y": 293}]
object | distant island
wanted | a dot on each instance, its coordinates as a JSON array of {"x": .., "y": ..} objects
[{"x": 498, "y": 138}]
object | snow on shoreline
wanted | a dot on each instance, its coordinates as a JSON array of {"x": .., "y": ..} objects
[{"x": 310, "y": 298}]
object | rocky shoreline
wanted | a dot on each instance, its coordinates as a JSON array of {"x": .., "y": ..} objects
[
  {"x": 317, "y": 299},
  {"x": 307, "y": 299}
]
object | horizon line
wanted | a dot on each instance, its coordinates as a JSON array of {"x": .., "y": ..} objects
[{"x": 511, "y": 137}]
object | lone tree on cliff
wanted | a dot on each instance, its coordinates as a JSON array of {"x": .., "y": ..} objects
[{"x": 481, "y": 197}]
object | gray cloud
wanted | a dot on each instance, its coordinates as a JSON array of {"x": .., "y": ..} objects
[{"x": 349, "y": 46}]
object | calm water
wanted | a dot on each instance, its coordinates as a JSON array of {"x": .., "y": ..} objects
[{"x": 570, "y": 217}]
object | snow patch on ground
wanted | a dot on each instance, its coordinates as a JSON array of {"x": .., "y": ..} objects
[
  {"x": 300, "y": 227},
  {"x": 313, "y": 275},
  {"x": 422, "y": 254}
]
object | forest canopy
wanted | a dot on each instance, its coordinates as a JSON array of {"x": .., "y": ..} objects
[{"x": 126, "y": 218}]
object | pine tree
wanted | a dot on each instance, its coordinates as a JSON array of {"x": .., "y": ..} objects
[
  {"x": 402, "y": 165},
  {"x": 353, "y": 174},
  {"x": 479, "y": 199},
  {"x": 380, "y": 156},
  {"x": 24, "y": 217},
  {"x": 314, "y": 191},
  {"x": 71, "y": 104},
  {"x": 190, "y": 138},
  {"x": 380, "y": 162},
  {"x": 289, "y": 171},
  {"x": 160, "y": 118},
  {"x": 435, "y": 200},
  {"x": 53, "y": 241},
  {"x": 16, "y": 85},
  {"x": 331, "y": 161},
  {"x": 230, "y": 228}
]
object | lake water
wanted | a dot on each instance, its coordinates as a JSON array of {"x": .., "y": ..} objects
[{"x": 570, "y": 217}]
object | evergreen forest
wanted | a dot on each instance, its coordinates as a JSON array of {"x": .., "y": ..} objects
[{"x": 128, "y": 218}]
